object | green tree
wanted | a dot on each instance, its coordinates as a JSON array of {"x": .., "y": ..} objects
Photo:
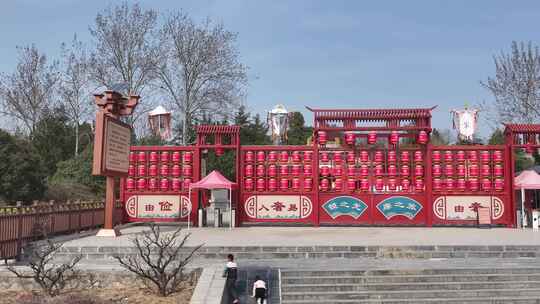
[
  {"x": 241, "y": 119},
  {"x": 298, "y": 133},
  {"x": 258, "y": 132},
  {"x": 440, "y": 138},
  {"x": 22, "y": 178},
  {"x": 497, "y": 137}
]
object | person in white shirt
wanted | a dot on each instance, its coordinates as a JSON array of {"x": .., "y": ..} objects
[
  {"x": 259, "y": 290},
  {"x": 231, "y": 273}
]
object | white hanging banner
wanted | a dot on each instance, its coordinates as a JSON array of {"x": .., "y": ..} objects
[{"x": 465, "y": 122}]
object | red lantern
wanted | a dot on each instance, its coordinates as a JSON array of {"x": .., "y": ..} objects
[
  {"x": 131, "y": 170},
  {"x": 272, "y": 184},
  {"x": 418, "y": 170},
  {"x": 392, "y": 184},
  {"x": 351, "y": 184},
  {"x": 460, "y": 155},
  {"x": 272, "y": 170},
  {"x": 187, "y": 157},
  {"x": 272, "y": 156},
  {"x": 498, "y": 156},
  {"x": 405, "y": 170},
  {"x": 529, "y": 149},
  {"x": 187, "y": 182},
  {"x": 498, "y": 170},
  {"x": 296, "y": 170},
  {"x": 419, "y": 184},
  {"x": 364, "y": 156},
  {"x": 378, "y": 157},
  {"x": 261, "y": 156},
  {"x": 284, "y": 170},
  {"x": 392, "y": 170},
  {"x": 338, "y": 170},
  {"x": 153, "y": 170},
  {"x": 296, "y": 184},
  {"x": 142, "y": 157},
  {"x": 130, "y": 184},
  {"x": 484, "y": 156},
  {"x": 422, "y": 137},
  {"x": 485, "y": 170},
  {"x": 248, "y": 170},
  {"x": 486, "y": 184},
  {"x": 325, "y": 171},
  {"x": 349, "y": 138},
  {"x": 437, "y": 170},
  {"x": 307, "y": 170},
  {"x": 322, "y": 137},
  {"x": 473, "y": 184},
  {"x": 248, "y": 184},
  {"x": 132, "y": 157},
  {"x": 165, "y": 157},
  {"x": 350, "y": 157},
  {"x": 473, "y": 170},
  {"x": 372, "y": 138},
  {"x": 392, "y": 158},
  {"x": 337, "y": 157},
  {"x": 308, "y": 156},
  {"x": 296, "y": 157},
  {"x": 261, "y": 184},
  {"x": 153, "y": 157},
  {"x": 448, "y": 156},
  {"x": 152, "y": 184},
  {"x": 338, "y": 184},
  {"x": 437, "y": 184},
  {"x": 418, "y": 157},
  {"x": 405, "y": 156},
  {"x": 324, "y": 157},
  {"x": 176, "y": 185},
  {"x": 461, "y": 185},
  {"x": 164, "y": 170},
  {"x": 351, "y": 171},
  {"x": 142, "y": 170},
  {"x": 176, "y": 157},
  {"x": 308, "y": 184},
  {"x": 378, "y": 170},
  {"x": 364, "y": 170},
  {"x": 461, "y": 170},
  {"x": 284, "y": 157},
  {"x": 499, "y": 184},
  {"x": 260, "y": 170},
  {"x": 449, "y": 184},
  {"x": 164, "y": 184},
  {"x": 176, "y": 170},
  {"x": 249, "y": 156},
  {"x": 219, "y": 151},
  {"x": 436, "y": 156},
  {"x": 324, "y": 184},
  {"x": 472, "y": 156},
  {"x": 379, "y": 184},
  {"x": 187, "y": 170},
  {"x": 394, "y": 138},
  {"x": 448, "y": 170},
  {"x": 364, "y": 184},
  {"x": 141, "y": 184},
  {"x": 405, "y": 184}
]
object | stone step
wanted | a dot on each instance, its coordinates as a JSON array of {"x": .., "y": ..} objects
[
  {"x": 411, "y": 294},
  {"x": 408, "y": 286},
  {"x": 477, "y": 300},
  {"x": 285, "y": 280},
  {"x": 435, "y": 271}
]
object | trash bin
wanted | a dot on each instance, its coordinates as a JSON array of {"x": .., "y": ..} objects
[{"x": 535, "y": 215}]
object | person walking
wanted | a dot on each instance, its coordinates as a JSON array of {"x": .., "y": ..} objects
[
  {"x": 259, "y": 290},
  {"x": 231, "y": 273}
]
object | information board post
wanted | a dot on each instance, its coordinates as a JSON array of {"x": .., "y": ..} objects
[{"x": 112, "y": 142}]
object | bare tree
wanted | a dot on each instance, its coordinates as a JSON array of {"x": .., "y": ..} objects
[
  {"x": 515, "y": 86},
  {"x": 201, "y": 71},
  {"x": 75, "y": 85},
  {"x": 125, "y": 51},
  {"x": 28, "y": 92}
]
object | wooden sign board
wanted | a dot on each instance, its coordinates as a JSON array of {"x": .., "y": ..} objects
[
  {"x": 484, "y": 217},
  {"x": 111, "y": 146}
]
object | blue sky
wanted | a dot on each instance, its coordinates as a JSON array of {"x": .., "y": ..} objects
[{"x": 326, "y": 53}]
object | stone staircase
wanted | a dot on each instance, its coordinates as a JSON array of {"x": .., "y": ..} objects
[{"x": 504, "y": 285}]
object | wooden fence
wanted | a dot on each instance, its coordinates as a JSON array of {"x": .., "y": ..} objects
[{"x": 21, "y": 224}]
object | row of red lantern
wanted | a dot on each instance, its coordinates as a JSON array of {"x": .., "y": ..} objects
[
  {"x": 472, "y": 156},
  {"x": 474, "y": 170},
  {"x": 164, "y": 157},
  {"x": 378, "y": 156},
  {"x": 154, "y": 184},
  {"x": 260, "y": 170},
  {"x": 294, "y": 184},
  {"x": 283, "y": 156},
  {"x": 164, "y": 170},
  {"x": 350, "y": 137},
  {"x": 378, "y": 170},
  {"x": 391, "y": 184},
  {"x": 473, "y": 184}
]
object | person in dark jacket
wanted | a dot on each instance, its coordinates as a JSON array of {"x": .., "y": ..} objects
[{"x": 231, "y": 273}]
